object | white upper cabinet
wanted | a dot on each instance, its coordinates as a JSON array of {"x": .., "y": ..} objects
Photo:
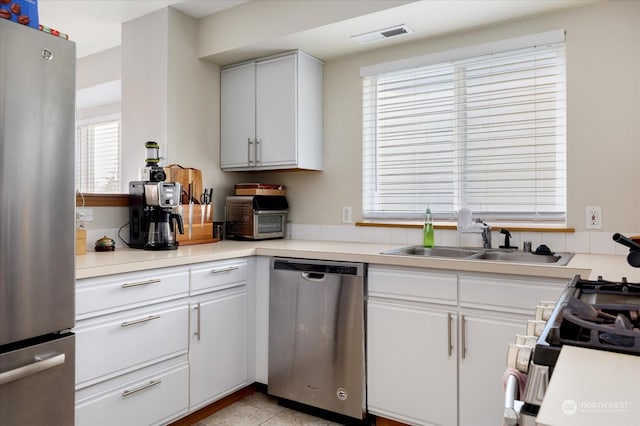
[{"x": 271, "y": 114}]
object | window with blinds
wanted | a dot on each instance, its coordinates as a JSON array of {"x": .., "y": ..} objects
[
  {"x": 484, "y": 132},
  {"x": 98, "y": 157}
]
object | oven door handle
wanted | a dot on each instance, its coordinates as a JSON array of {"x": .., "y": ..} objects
[{"x": 511, "y": 415}]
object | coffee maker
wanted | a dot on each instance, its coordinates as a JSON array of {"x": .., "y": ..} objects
[{"x": 153, "y": 206}]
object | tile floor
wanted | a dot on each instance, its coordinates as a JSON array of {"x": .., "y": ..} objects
[{"x": 261, "y": 410}]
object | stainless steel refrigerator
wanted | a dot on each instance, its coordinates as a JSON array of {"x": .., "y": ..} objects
[{"x": 37, "y": 237}]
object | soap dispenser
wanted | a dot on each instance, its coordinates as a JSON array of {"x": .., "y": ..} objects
[{"x": 427, "y": 230}]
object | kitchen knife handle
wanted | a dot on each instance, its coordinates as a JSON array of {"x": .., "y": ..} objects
[
  {"x": 30, "y": 369},
  {"x": 139, "y": 321},
  {"x": 136, "y": 284}
]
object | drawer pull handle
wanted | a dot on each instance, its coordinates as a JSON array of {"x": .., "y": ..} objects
[
  {"x": 152, "y": 383},
  {"x": 139, "y": 321},
  {"x": 136, "y": 284},
  {"x": 224, "y": 269}
]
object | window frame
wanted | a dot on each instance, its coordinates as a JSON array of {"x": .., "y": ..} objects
[
  {"x": 442, "y": 58},
  {"x": 101, "y": 198}
]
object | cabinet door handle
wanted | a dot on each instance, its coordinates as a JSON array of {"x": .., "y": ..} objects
[
  {"x": 224, "y": 269},
  {"x": 30, "y": 369},
  {"x": 449, "y": 340},
  {"x": 197, "y": 332},
  {"x": 463, "y": 336},
  {"x": 139, "y": 321},
  {"x": 249, "y": 143},
  {"x": 152, "y": 383},
  {"x": 258, "y": 149},
  {"x": 136, "y": 284}
]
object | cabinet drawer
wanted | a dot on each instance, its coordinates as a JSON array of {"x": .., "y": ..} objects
[
  {"x": 95, "y": 296},
  {"x": 413, "y": 284},
  {"x": 218, "y": 275},
  {"x": 508, "y": 293},
  {"x": 150, "y": 400},
  {"x": 111, "y": 345}
]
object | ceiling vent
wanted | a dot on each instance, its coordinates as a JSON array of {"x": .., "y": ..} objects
[{"x": 384, "y": 34}]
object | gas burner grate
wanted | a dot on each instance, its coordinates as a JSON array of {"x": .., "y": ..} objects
[
  {"x": 608, "y": 286},
  {"x": 614, "y": 327}
]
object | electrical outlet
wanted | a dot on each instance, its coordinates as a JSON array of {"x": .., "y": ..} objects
[
  {"x": 346, "y": 214},
  {"x": 84, "y": 214},
  {"x": 594, "y": 217}
]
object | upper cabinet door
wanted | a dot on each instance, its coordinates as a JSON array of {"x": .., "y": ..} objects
[
  {"x": 271, "y": 114},
  {"x": 238, "y": 113},
  {"x": 276, "y": 112}
]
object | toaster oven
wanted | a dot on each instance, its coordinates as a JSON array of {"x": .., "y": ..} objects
[{"x": 256, "y": 217}]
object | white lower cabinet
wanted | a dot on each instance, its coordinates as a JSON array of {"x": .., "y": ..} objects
[
  {"x": 218, "y": 345},
  {"x": 436, "y": 353},
  {"x": 153, "y": 346},
  {"x": 218, "y": 337},
  {"x": 151, "y": 396},
  {"x": 411, "y": 366},
  {"x": 115, "y": 344},
  {"x": 484, "y": 339},
  {"x": 132, "y": 348}
]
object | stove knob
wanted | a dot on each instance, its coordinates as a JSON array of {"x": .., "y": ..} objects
[
  {"x": 535, "y": 328},
  {"x": 518, "y": 357}
]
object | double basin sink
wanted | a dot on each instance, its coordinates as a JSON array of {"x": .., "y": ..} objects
[{"x": 496, "y": 255}]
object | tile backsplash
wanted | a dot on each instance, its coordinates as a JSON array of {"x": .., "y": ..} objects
[{"x": 574, "y": 242}]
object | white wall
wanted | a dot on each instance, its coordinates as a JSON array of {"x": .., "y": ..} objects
[
  {"x": 171, "y": 97},
  {"x": 603, "y": 79},
  {"x": 98, "y": 68},
  {"x": 603, "y": 107},
  {"x": 144, "y": 89}
]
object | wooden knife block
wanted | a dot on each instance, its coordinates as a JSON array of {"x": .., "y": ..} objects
[{"x": 201, "y": 232}]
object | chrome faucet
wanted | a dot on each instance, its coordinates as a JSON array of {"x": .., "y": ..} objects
[{"x": 486, "y": 234}]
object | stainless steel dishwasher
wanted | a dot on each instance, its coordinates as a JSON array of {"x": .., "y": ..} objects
[{"x": 316, "y": 334}]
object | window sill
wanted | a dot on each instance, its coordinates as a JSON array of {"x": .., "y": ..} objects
[
  {"x": 514, "y": 227},
  {"x": 102, "y": 200}
]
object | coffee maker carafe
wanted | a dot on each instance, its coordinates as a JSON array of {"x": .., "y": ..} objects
[{"x": 162, "y": 230}]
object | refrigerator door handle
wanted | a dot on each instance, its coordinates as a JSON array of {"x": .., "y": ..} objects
[{"x": 28, "y": 370}]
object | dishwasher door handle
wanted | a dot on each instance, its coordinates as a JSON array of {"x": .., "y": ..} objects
[{"x": 313, "y": 276}]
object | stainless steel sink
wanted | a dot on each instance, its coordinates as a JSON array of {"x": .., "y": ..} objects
[
  {"x": 452, "y": 252},
  {"x": 495, "y": 255},
  {"x": 522, "y": 257}
]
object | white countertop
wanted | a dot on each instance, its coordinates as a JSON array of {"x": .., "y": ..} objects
[{"x": 123, "y": 260}]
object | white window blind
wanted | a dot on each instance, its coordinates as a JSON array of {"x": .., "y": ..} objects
[
  {"x": 98, "y": 157},
  {"x": 485, "y": 132}
]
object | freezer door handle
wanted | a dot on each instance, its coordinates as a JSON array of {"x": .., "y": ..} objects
[{"x": 28, "y": 370}]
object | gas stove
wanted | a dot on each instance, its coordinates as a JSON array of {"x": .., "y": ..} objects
[
  {"x": 592, "y": 314},
  {"x": 595, "y": 314}
]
